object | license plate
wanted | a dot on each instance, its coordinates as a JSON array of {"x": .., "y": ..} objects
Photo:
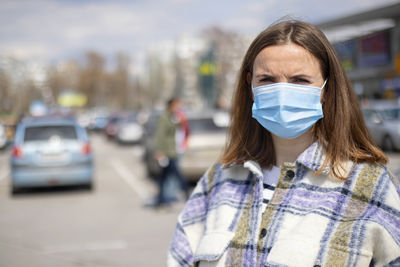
[
  {"x": 52, "y": 182},
  {"x": 53, "y": 157}
]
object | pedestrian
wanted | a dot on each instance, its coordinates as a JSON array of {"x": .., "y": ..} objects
[
  {"x": 166, "y": 150},
  {"x": 183, "y": 131},
  {"x": 300, "y": 182}
]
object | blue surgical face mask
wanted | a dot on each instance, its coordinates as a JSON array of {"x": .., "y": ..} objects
[{"x": 287, "y": 110}]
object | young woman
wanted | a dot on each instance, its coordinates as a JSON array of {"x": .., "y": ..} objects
[{"x": 300, "y": 183}]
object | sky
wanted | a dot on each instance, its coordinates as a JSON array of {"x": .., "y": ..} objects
[{"x": 55, "y": 30}]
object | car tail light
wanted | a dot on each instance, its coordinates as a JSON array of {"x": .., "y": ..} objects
[
  {"x": 112, "y": 130},
  {"x": 86, "y": 150},
  {"x": 17, "y": 152}
]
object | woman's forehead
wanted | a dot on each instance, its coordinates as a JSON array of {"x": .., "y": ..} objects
[{"x": 285, "y": 58}]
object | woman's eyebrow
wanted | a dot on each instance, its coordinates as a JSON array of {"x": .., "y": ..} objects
[
  {"x": 264, "y": 76},
  {"x": 302, "y": 76}
]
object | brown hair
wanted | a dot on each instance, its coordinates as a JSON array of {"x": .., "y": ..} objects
[{"x": 342, "y": 132}]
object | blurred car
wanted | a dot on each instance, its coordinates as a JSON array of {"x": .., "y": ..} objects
[
  {"x": 93, "y": 120},
  {"x": 396, "y": 174},
  {"x": 9, "y": 123},
  {"x": 384, "y": 126},
  {"x": 3, "y": 136},
  {"x": 111, "y": 128},
  {"x": 129, "y": 131},
  {"x": 206, "y": 140},
  {"x": 51, "y": 151},
  {"x": 98, "y": 123}
]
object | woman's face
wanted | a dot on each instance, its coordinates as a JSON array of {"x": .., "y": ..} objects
[{"x": 287, "y": 63}]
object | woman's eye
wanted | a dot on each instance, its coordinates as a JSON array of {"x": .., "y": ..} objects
[
  {"x": 301, "y": 80},
  {"x": 266, "y": 80}
]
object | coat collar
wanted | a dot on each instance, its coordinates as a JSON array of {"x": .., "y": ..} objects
[{"x": 312, "y": 158}]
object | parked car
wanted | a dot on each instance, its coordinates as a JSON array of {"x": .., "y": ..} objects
[
  {"x": 93, "y": 120},
  {"x": 111, "y": 128},
  {"x": 3, "y": 136},
  {"x": 206, "y": 140},
  {"x": 384, "y": 126},
  {"x": 129, "y": 131},
  {"x": 51, "y": 151},
  {"x": 98, "y": 123},
  {"x": 396, "y": 173}
]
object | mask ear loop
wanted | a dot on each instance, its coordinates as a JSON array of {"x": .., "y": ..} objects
[{"x": 323, "y": 85}]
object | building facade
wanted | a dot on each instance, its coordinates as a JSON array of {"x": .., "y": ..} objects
[{"x": 368, "y": 45}]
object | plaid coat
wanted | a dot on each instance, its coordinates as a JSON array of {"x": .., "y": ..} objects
[{"x": 310, "y": 220}]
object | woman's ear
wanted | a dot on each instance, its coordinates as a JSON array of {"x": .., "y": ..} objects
[{"x": 248, "y": 78}]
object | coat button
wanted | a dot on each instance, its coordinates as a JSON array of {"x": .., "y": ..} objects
[
  {"x": 317, "y": 263},
  {"x": 289, "y": 175},
  {"x": 263, "y": 233}
]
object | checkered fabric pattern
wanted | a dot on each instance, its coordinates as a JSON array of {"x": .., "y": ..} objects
[{"x": 310, "y": 220}]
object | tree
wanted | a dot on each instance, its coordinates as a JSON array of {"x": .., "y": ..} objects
[
  {"x": 91, "y": 78},
  {"x": 61, "y": 77},
  {"x": 5, "y": 91},
  {"x": 121, "y": 80},
  {"x": 229, "y": 49}
]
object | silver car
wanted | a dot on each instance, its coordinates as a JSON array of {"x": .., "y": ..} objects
[
  {"x": 51, "y": 151},
  {"x": 384, "y": 126},
  {"x": 3, "y": 136},
  {"x": 129, "y": 131},
  {"x": 206, "y": 141}
]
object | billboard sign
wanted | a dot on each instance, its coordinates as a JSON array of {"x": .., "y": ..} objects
[
  {"x": 374, "y": 50},
  {"x": 347, "y": 54}
]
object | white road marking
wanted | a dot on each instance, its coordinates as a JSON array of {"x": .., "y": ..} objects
[
  {"x": 137, "y": 151},
  {"x": 4, "y": 175},
  {"x": 92, "y": 246},
  {"x": 130, "y": 178}
]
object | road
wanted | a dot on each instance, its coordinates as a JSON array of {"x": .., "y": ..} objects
[
  {"x": 106, "y": 227},
  {"x": 75, "y": 227}
]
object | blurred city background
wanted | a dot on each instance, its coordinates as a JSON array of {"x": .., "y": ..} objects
[{"x": 82, "y": 84}]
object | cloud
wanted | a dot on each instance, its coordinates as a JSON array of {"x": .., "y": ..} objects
[
  {"x": 55, "y": 29},
  {"x": 23, "y": 51}
]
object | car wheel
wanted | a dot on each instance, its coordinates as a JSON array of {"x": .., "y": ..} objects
[
  {"x": 15, "y": 190},
  {"x": 88, "y": 186},
  {"x": 387, "y": 143}
]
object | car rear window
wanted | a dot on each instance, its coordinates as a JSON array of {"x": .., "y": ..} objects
[
  {"x": 204, "y": 125},
  {"x": 367, "y": 113},
  {"x": 129, "y": 120},
  {"x": 392, "y": 114},
  {"x": 43, "y": 133}
]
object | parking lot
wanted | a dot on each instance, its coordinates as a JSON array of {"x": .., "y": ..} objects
[{"x": 108, "y": 226}]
